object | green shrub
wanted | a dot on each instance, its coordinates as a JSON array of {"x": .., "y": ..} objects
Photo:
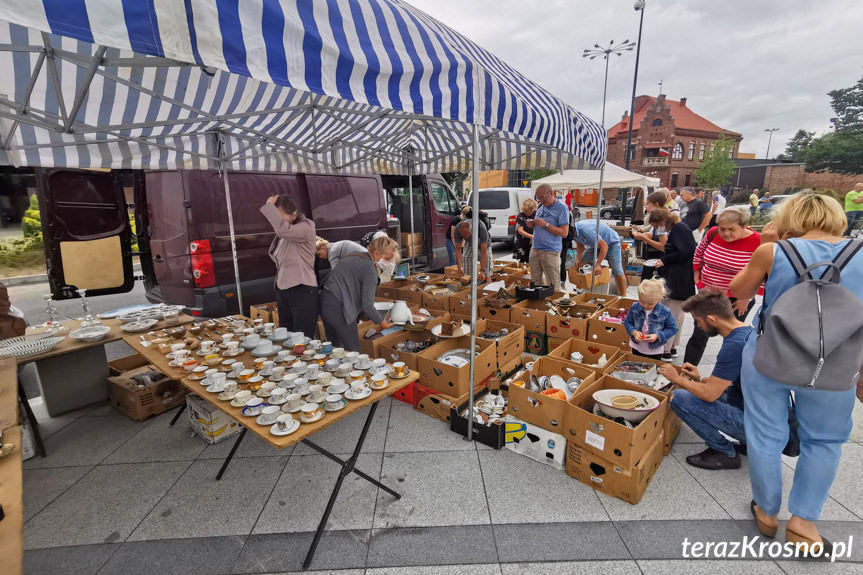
[
  {"x": 31, "y": 223},
  {"x": 22, "y": 252}
]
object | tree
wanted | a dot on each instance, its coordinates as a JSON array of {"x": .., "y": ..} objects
[
  {"x": 795, "y": 151},
  {"x": 717, "y": 167},
  {"x": 31, "y": 223},
  {"x": 847, "y": 103},
  {"x": 840, "y": 152},
  {"x": 540, "y": 173},
  {"x": 456, "y": 181}
]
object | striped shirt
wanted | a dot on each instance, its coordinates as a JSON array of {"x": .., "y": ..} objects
[{"x": 719, "y": 261}]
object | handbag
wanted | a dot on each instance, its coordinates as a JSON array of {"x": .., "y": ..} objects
[{"x": 792, "y": 448}]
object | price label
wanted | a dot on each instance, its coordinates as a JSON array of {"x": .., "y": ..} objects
[{"x": 594, "y": 440}]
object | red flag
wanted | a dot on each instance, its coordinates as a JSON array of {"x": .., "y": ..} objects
[{"x": 663, "y": 152}]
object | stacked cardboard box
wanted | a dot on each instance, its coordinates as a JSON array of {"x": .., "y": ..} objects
[{"x": 139, "y": 391}]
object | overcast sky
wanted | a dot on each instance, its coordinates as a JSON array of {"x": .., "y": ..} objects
[{"x": 745, "y": 65}]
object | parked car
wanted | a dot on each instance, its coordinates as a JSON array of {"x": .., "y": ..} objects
[
  {"x": 502, "y": 206},
  {"x": 183, "y": 239},
  {"x": 613, "y": 211}
]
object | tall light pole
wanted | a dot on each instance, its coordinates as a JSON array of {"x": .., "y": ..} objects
[
  {"x": 639, "y": 7},
  {"x": 593, "y": 53},
  {"x": 770, "y": 139}
]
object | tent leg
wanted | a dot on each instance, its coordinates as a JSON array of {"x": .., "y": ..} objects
[
  {"x": 474, "y": 253},
  {"x": 411, "y": 201},
  {"x": 601, "y": 181},
  {"x": 233, "y": 241}
]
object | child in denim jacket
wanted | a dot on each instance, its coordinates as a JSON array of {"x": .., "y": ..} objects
[{"x": 649, "y": 323}]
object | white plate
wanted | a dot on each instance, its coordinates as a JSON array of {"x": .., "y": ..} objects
[
  {"x": 259, "y": 422},
  {"x": 247, "y": 411},
  {"x": 139, "y": 325},
  {"x": 291, "y": 410},
  {"x": 604, "y": 396},
  {"x": 381, "y": 370},
  {"x": 276, "y": 349},
  {"x": 342, "y": 404},
  {"x": 214, "y": 389},
  {"x": 295, "y": 425},
  {"x": 28, "y": 348},
  {"x": 651, "y": 263},
  {"x": 454, "y": 361},
  {"x": 384, "y": 305},
  {"x": 353, "y": 397},
  {"x": 91, "y": 333},
  {"x": 312, "y": 420},
  {"x": 463, "y": 329}
]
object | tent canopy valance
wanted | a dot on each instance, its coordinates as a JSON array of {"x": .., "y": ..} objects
[
  {"x": 332, "y": 86},
  {"x": 615, "y": 177}
]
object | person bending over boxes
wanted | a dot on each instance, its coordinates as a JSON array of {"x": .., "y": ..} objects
[{"x": 712, "y": 404}]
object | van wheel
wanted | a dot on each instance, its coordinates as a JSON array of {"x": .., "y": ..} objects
[{"x": 605, "y": 215}]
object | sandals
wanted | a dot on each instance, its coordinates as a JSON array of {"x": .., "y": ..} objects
[
  {"x": 806, "y": 543},
  {"x": 763, "y": 528}
]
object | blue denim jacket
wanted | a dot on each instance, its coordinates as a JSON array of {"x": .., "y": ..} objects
[{"x": 660, "y": 322}]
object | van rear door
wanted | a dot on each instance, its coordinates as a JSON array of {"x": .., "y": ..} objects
[{"x": 86, "y": 232}]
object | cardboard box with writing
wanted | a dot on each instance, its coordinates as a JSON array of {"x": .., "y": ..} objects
[
  {"x": 670, "y": 428},
  {"x": 210, "y": 422},
  {"x": 541, "y": 410},
  {"x": 583, "y": 281},
  {"x": 621, "y": 445},
  {"x": 591, "y": 353},
  {"x": 626, "y": 483},
  {"x": 535, "y": 442},
  {"x": 131, "y": 395},
  {"x": 565, "y": 327},
  {"x": 448, "y": 378},
  {"x": 437, "y": 299},
  {"x": 535, "y": 343},
  {"x": 269, "y": 312},
  {"x": 611, "y": 333}
]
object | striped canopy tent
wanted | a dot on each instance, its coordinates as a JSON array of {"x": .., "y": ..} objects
[{"x": 333, "y": 86}]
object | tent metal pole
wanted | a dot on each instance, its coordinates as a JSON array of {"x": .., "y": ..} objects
[
  {"x": 32, "y": 84},
  {"x": 474, "y": 252},
  {"x": 599, "y": 195},
  {"x": 231, "y": 223},
  {"x": 411, "y": 202}
]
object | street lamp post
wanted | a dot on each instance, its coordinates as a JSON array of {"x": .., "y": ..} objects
[
  {"x": 639, "y": 7},
  {"x": 593, "y": 53},
  {"x": 769, "y": 139}
]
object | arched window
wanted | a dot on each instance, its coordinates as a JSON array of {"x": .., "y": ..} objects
[
  {"x": 678, "y": 151},
  {"x": 657, "y": 122}
]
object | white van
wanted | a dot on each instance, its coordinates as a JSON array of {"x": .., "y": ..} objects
[{"x": 502, "y": 206}]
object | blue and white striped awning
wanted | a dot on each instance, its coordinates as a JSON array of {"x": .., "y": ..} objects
[{"x": 275, "y": 85}]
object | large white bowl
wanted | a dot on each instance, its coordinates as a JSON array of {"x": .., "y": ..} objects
[{"x": 604, "y": 396}]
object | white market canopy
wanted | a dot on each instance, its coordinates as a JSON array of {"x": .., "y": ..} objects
[
  {"x": 337, "y": 86},
  {"x": 614, "y": 177}
]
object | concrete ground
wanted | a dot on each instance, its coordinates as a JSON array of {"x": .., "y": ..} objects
[{"x": 118, "y": 496}]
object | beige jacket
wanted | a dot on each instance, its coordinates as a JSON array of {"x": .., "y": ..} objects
[{"x": 292, "y": 250}]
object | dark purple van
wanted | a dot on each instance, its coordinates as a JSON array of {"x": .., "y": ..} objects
[{"x": 181, "y": 228}]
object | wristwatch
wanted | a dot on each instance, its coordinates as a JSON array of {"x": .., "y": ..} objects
[{"x": 546, "y": 225}]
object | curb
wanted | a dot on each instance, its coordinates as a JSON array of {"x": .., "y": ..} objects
[{"x": 41, "y": 278}]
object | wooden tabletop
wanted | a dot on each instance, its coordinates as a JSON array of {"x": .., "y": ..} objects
[
  {"x": 305, "y": 431},
  {"x": 8, "y": 393},
  {"x": 70, "y": 345},
  {"x": 12, "y": 525}
]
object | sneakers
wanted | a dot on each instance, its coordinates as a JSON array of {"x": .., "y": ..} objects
[
  {"x": 666, "y": 356},
  {"x": 670, "y": 354},
  {"x": 673, "y": 352},
  {"x": 714, "y": 460}
]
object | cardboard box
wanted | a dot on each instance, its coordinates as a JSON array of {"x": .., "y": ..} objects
[
  {"x": 567, "y": 327},
  {"x": 211, "y": 423},
  {"x": 139, "y": 402},
  {"x": 623, "y": 356},
  {"x": 386, "y": 346},
  {"x": 460, "y": 302},
  {"x": 597, "y": 299},
  {"x": 450, "y": 379},
  {"x": 128, "y": 363},
  {"x": 607, "y": 332},
  {"x": 411, "y": 292},
  {"x": 624, "y": 302},
  {"x": 511, "y": 368},
  {"x": 494, "y": 313},
  {"x": 627, "y": 483},
  {"x": 535, "y": 442},
  {"x": 670, "y": 428},
  {"x": 535, "y": 343},
  {"x": 541, "y": 410},
  {"x": 405, "y": 394},
  {"x": 451, "y": 272},
  {"x": 439, "y": 299},
  {"x": 411, "y": 251},
  {"x": 554, "y": 343},
  {"x": 371, "y": 346},
  {"x": 592, "y": 353},
  {"x": 436, "y": 404},
  {"x": 531, "y": 313},
  {"x": 408, "y": 240},
  {"x": 509, "y": 347},
  {"x": 612, "y": 441},
  {"x": 269, "y": 312},
  {"x": 583, "y": 281},
  {"x": 633, "y": 279}
]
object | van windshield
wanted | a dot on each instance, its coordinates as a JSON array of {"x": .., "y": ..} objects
[{"x": 494, "y": 200}]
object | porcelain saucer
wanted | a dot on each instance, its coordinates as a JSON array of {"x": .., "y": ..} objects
[
  {"x": 321, "y": 399},
  {"x": 214, "y": 389},
  {"x": 233, "y": 353},
  {"x": 394, "y": 376},
  {"x": 259, "y": 422},
  {"x": 273, "y": 351},
  {"x": 227, "y": 395},
  {"x": 338, "y": 387},
  {"x": 295, "y": 425},
  {"x": 312, "y": 420},
  {"x": 374, "y": 388},
  {"x": 247, "y": 411},
  {"x": 385, "y": 370},
  {"x": 342, "y": 404},
  {"x": 198, "y": 377},
  {"x": 264, "y": 393},
  {"x": 353, "y": 397},
  {"x": 203, "y": 353},
  {"x": 295, "y": 410},
  {"x": 241, "y": 404},
  {"x": 278, "y": 402}
]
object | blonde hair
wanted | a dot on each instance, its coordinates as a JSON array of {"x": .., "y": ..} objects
[
  {"x": 384, "y": 244},
  {"x": 652, "y": 289},
  {"x": 807, "y": 211},
  {"x": 734, "y": 215},
  {"x": 321, "y": 243},
  {"x": 528, "y": 205}
]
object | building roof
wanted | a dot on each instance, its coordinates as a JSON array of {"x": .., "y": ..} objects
[{"x": 684, "y": 118}]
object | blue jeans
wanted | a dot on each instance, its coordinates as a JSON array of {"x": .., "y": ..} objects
[
  {"x": 450, "y": 250},
  {"x": 614, "y": 257},
  {"x": 852, "y": 218},
  {"x": 824, "y": 426},
  {"x": 707, "y": 419}
]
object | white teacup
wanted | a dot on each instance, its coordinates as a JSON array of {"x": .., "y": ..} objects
[
  {"x": 359, "y": 387},
  {"x": 331, "y": 365},
  {"x": 233, "y": 346},
  {"x": 254, "y": 405},
  {"x": 312, "y": 371},
  {"x": 236, "y": 368},
  {"x": 344, "y": 369},
  {"x": 182, "y": 355},
  {"x": 316, "y": 394},
  {"x": 324, "y": 378},
  {"x": 227, "y": 337},
  {"x": 295, "y": 401},
  {"x": 280, "y": 333},
  {"x": 268, "y": 328},
  {"x": 337, "y": 388},
  {"x": 299, "y": 367},
  {"x": 207, "y": 346},
  {"x": 230, "y": 385},
  {"x": 219, "y": 378},
  {"x": 175, "y": 347},
  {"x": 356, "y": 375},
  {"x": 265, "y": 346},
  {"x": 258, "y": 322},
  {"x": 289, "y": 381},
  {"x": 379, "y": 363},
  {"x": 268, "y": 386},
  {"x": 269, "y": 414},
  {"x": 242, "y": 397},
  {"x": 311, "y": 410},
  {"x": 254, "y": 339},
  {"x": 267, "y": 368},
  {"x": 379, "y": 381},
  {"x": 208, "y": 375},
  {"x": 399, "y": 368},
  {"x": 309, "y": 355},
  {"x": 248, "y": 331},
  {"x": 333, "y": 400},
  {"x": 278, "y": 395},
  {"x": 315, "y": 344},
  {"x": 302, "y": 386},
  {"x": 352, "y": 357},
  {"x": 285, "y": 421},
  {"x": 277, "y": 373},
  {"x": 363, "y": 361},
  {"x": 338, "y": 353}
]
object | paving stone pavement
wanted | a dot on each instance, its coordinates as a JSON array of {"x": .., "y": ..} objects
[{"x": 121, "y": 497}]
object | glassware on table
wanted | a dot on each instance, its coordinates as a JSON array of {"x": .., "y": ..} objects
[
  {"x": 89, "y": 319},
  {"x": 53, "y": 323}
]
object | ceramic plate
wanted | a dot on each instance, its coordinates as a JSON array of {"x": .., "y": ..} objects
[
  {"x": 139, "y": 325},
  {"x": 274, "y": 351},
  {"x": 454, "y": 360},
  {"x": 373, "y": 388},
  {"x": 460, "y": 331},
  {"x": 227, "y": 395},
  {"x": 287, "y": 410},
  {"x": 651, "y": 263},
  {"x": 91, "y": 334},
  {"x": 304, "y": 419},
  {"x": 259, "y": 422},
  {"x": 295, "y": 425},
  {"x": 353, "y": 397},
  {"x": 233, "y": 353},
  {"x": 278, "y": 401},
  {"x": 341, "y": 405},
  {"x": 235, "y": 404},
  {"x": 394, "y": 376},
  {"x": 250, "y": 412},
  {"x": 214, "y": 389},
  {"x": 381, "y": 370}
]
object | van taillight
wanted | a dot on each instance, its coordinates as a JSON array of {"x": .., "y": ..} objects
[
  {"x": 202, "y": 264},
  {"x": 512, "y": 220}
]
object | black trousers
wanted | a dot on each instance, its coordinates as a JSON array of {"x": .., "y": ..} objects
[
  {"x": 298, "y": 309},
  {"x": 698, "y": 342},
  {"x": 657, "y": 356},
  {"x": 339, "y": 332}
]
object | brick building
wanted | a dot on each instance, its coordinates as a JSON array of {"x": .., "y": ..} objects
[{"x": 668, "y": 140}]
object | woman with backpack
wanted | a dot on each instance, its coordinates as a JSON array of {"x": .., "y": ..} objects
[
  {"x": 813, "y": 225},
  {"x": 724, "y": 251}
]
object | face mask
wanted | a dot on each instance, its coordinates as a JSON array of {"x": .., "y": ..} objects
[{"x": 386, "y": 267}]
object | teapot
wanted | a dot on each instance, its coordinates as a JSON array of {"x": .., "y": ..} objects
[{"x": 400, "y": 313}]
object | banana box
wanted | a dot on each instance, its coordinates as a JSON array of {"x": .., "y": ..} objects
[
  {"x": 535, "y": 442},
  {"x": 210, "y": 422}
]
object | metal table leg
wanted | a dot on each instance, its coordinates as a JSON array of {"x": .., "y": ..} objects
[
  {"x": 347, "y": 468},
  {"x": 178, "y": 414},
  {"x": 28, "y": 414},
  {"x": 231, "y": 454}
]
